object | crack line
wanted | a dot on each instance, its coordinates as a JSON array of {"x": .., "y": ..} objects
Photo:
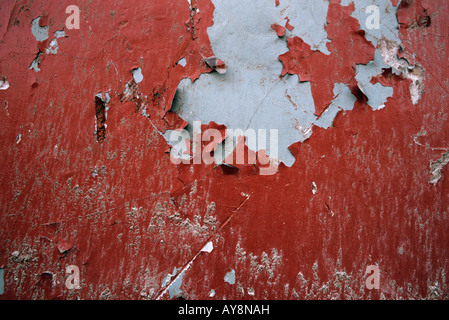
[{"x": 189, "y": 263}]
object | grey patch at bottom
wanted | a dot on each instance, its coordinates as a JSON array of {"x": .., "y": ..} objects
[
  {"x": 2, "y": 282},
  {"x": 174, "y": 289}
]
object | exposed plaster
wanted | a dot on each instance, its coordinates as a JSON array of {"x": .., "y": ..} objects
[
  {"x": 40, "y": 33},
  {"x": 386, "y": 40},
  {"x": 2, "y": 282},
  {"x": 252, "y": 83},
  {"x": 4, "y": 84},
  {"x": 251, "y": 88},
  {"x": 230, "y": 277},
  {"x": 35, "y": 64},
  {"x": 436, "y": 168},
  {"x": 415, "y": 73}
]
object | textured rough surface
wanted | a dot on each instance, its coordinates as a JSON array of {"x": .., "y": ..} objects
[{"x": 87, "y": 179}]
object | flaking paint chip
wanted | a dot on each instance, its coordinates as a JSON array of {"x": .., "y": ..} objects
[
  {"x": 208, "y": 247},
  {"x": 230, "y": 277},
  {"x": 4, "y": 84},
  {"x": 137, "y": 74},
  {"x": 216, "y": 64},
  {"x": 280, "y": 30},
  {"x": 182, "y": 62}
]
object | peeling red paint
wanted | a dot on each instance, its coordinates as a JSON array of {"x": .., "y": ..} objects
[
  {"x": 280, "y": 30},
  {"x": 349, "y": 47},
  {"x": 288, "y": 26},
  {"x": 127, "y": 216}
]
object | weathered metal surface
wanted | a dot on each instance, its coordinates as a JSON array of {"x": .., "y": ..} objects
[{"x": 89, "y": 176}]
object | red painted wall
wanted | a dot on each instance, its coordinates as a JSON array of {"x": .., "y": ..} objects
[{"x": 126, "y": 216}]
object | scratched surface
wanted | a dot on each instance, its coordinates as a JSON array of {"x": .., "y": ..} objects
[{"x": 87, "y": 180}]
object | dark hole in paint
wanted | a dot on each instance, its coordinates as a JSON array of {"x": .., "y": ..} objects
[
  {"x": 425, "y": 21},
  {"x": 361, "y": 32},
  {"x": 176, "y": 103},
  {"x": 45, "y": 283},
  {"x": 404, "y": 4},
  {"x": 100, "y": 114},
  {"x": 360, "y": 96},
  {"x": 229, "y": 170}
]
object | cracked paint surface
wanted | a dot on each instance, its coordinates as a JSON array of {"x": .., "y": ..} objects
[
  {"x": 362, "y": 117},
  {"x": 252, "y": 88},
  {"x": 251, "y": 95}
]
